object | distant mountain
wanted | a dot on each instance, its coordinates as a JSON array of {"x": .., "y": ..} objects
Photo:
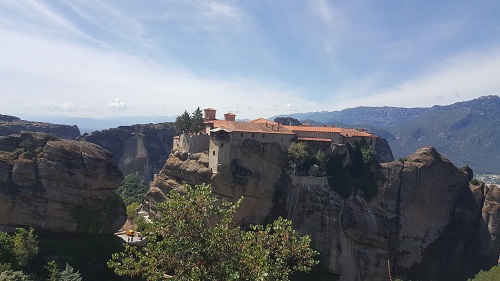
[{"x": 468, "y": 132}]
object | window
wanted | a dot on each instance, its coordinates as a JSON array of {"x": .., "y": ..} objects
[
  {"x": 281, "y": 139},
  {"x": 222, "y": 145},
  {"x": 213, "y": 153},
  {"x": 371, "y": 142},
  {"x": 253, "y": 135},
  {"x": 263, "y": 135},
  {"x": 241, "y": 134}
]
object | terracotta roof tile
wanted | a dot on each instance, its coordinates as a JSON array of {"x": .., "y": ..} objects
[
  {"x": 315, "y": 129},
  {"x": 236, "y": 126}
]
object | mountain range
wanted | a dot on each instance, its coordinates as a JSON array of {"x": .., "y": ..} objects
[{"x": 467, "y": 132}]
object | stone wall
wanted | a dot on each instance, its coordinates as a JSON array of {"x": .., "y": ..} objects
[{"x": 192, "y": 143}]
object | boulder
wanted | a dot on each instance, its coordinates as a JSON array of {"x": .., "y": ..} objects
[{"x": 58, "y": 185}]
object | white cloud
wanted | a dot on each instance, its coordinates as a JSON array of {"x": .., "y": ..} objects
[
  {"x": 118, "y": 104},
  {"x": 63, "y": 106},
  {"x": 290, "y": 107}
]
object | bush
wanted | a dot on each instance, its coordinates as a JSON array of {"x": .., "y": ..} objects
[
  {"x": 132, "y": 189},
  {"x": 491, "y": 275},
  {"x": 192, "y": 238},
  {"x": 475, "y": 182}
]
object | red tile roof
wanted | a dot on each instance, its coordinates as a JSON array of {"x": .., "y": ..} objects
[
  {"x": 236, "y": 126},
  {"x": 356, "y": 133},
  {"x": 315, "y": 129},
  {"x": 263, "y": 121}
]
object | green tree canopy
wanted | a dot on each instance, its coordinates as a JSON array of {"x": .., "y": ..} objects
[
  {"x": 197, "y": 121},
  {"x": 186, "y": 123},
  {"x": 491, "y": 275},
  {"x": 298, "y": 153},
  {"x": 183, "y": 123},
  {"x": 18, "y": 250},
  {"x": 193, "y": 239},
  {"x": 132, "y": 189}
]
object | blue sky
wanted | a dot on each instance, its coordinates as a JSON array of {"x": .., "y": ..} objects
[{"x": 255, "y": 58}]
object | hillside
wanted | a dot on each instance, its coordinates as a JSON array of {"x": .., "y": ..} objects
[{"x": 465, "y": 132}]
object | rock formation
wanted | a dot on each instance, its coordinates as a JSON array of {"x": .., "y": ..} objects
[
  {"x": 141, "y": 149},
  {"x": 13, "y": 125},
  {"x": 426, "y": 221},
  {"x": 58, "y": 185}
]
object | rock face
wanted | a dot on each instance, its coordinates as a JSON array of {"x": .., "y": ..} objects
[
  {"x": 58, "y": 185},
  {"x": 13, "y": 125},
  {"x": 426, "y": 222},
  {"x": 141, "y": 149}
]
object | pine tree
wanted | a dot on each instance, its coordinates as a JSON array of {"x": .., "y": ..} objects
[
  {"x": 197, "y": 121},
  {"x": 183, "y": 123}
]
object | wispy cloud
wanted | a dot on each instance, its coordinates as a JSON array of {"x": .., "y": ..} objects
[
  {"x": 459, "y": 77},
  {"x": 58, "y": 106}
]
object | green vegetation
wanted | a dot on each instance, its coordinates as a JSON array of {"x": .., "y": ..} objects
[
  {"x": 356, "y": 175},
  {"x": 193, "y": 239},
  {"x": 491, "y": 275},
  {"x": 475, "y": 182},
  {"x": 186, "y": 123},
  {"x": 67, "y": 274},
  {"x": 132, "y": 210},
  {"x": 305, "y": 161},
  {"x": 17, "y": 256},
  {"x": 132, "y": 189},
  {"x": 17, "y": 251}
]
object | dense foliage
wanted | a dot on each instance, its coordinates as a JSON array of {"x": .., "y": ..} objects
[
  {"x": 18, "y": 250},
  {"x": 132, "y": 189},
  {"x": 16, "y": 254},
  {"x": 186, "y": 123},
  {"x": 491, "y": 275},
  {"x": 193, "y": 239}
]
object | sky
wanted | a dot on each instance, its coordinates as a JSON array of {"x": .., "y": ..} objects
[{"x": 103, "y": 59}]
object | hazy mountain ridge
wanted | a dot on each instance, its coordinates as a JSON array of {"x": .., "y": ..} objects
[{"x": 467, "y": 132}]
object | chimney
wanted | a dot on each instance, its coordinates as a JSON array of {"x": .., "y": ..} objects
[
  {"x": 362, "y": 130},
  {"x": 210, "y": 114},
  {"x": 230, "y": 116}
]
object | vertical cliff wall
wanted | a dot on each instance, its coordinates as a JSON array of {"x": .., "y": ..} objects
[
  {"x": 58, "y": 185},
  {"x": 141, "y": 149},
  {"x": 425, "y": 222}
]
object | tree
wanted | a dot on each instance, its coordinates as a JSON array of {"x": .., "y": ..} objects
[
  {"x": 25, "y": 246},
  {"x": 183, "y": 123},
  {"x": 193, "y": 239},
  {"x": 490, "y": 275},
  {"x": 132, "y": 189},
  {"x": 67, "y": 274},
  {"x": 18, "y": 250},
  {"x": 197, "y": 121},
  {"x": 298, "y": 153}
]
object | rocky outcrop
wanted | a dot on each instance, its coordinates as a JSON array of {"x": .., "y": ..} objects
[
  {"x": 58, "y": 185},
  {"x": 425, "y": 222},
  {"x": 141, "y": 149},
  {"x": 13, "y": 125},
  {"x": 383, "y": 152}
]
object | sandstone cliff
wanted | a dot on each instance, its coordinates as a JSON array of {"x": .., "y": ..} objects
[
  {"x": 58, "y": 185},
  {"x": 426, "y": 222},
  {"x": 141, "y": 149},
  {"x": 13, "y": 125}
]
